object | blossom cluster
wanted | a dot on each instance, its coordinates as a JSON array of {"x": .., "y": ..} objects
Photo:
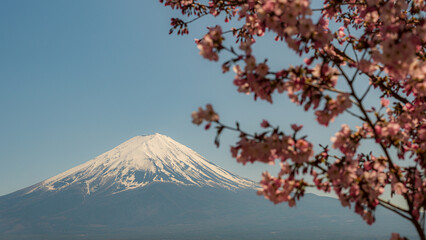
[
  {"x": 207, "y": 114},
  {"x": 269, "y": 148},
  {"x": 388, "y": 49},
  {"x": 211, "y": 41}
]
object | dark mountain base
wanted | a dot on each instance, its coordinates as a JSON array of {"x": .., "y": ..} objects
[{"x": 169, "y": 211}]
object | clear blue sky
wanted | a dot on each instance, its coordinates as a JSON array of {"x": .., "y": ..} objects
[{"x": 80, "y": 77}]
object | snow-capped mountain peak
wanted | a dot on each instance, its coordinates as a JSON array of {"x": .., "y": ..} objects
[{"x": 140, "y": 161}]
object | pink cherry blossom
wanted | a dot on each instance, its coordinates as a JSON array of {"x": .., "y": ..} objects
[
  {"x": 265, "y": 124},
  {"x": 201, "y": 115},
  {"x": 396, "y": 236},
  {"x": 365, "y": 52},
  {"x": 384, "y": 102}
]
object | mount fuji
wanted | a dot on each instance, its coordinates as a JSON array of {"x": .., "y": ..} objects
[
  {"x": 152, "y": 187},
  {"x": 140, "y": 161}
]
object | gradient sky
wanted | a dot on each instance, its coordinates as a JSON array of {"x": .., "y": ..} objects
[{"x": 80, "y": 77}]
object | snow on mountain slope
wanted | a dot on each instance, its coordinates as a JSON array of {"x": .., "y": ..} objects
[{"x": 140, "y": 161}]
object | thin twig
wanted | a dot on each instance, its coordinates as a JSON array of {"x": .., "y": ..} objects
[
  {"x": 393, "y": 205},
  {"x": 354, "y": 114},
  {"x": 194, "y": 19},
  {"x": 366, "y": 92},
  {"x": 394, "y": 210}
]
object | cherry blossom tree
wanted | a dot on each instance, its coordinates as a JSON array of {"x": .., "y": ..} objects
[{"x": 380, "y": 42}]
